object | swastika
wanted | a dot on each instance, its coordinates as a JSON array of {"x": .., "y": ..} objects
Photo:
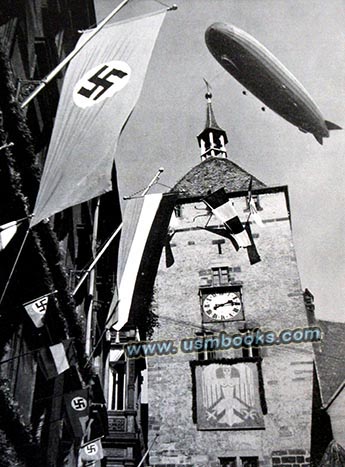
[
  {"x": 100, "y": 82},
  {"x": 79, "y": 403},
  {"x": 91, "y": 449},
  {"x": 40, "y": 305}
]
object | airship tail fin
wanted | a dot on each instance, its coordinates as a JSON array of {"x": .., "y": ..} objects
[
  {"x": 332, "y": 126},
  {"x": 318, "y": 138}
]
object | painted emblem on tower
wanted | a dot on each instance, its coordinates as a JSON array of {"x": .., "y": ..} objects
[{"x": 227, "y": 396}]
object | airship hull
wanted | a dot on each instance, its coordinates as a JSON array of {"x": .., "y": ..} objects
[{"x": 258, "y": 70}]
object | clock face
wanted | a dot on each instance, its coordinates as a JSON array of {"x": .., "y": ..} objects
[{"x": 222, "y": 306}]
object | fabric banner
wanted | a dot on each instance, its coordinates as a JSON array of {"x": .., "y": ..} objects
[
  {"x": 77, "y": 408},
  {"x": 144, "y": 233},
  {"x": 227, "y": 396},
  {"x": 57, "y": 358},
  {"x": 37, "y": 310},
  {"x": 253, "y": 254},
  {"x": 92, "y": 451},
  {"x": 101, "y": 87},
  {"x": 7, "y": 232},
  {"x": 224, "y": 211}
]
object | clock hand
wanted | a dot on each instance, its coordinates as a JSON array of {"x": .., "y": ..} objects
[{"x": 218, "y": 305}]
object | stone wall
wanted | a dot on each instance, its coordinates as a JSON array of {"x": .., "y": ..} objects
[
  {"x": 273, "y": 300},
  {"x": 291, "y": 458}
]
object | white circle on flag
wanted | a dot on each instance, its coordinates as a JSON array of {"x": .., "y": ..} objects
[
  {"x": 100, "y": 83},
  {"x": 79, "y": 403},
  {"x": 91, "y": 449}
]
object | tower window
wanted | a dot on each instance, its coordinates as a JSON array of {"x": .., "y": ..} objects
[
  {"x": 239, "y": 461},
  {"x": 249, "y": 462},
  {"x": 207, "y": 352},
  {"x": 218, "y": 276},
  {"x": 256, "y": 200},
  {"x": 228, "y": 461},
  {"x": 221, "y": 276},
  {"x": 248, "y": 350}
]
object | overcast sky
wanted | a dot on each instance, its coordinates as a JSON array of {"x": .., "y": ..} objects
[{"x": 307, "y": 36}]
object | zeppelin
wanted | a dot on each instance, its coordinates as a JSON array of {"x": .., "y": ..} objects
[{"x": 259, "y": 71}]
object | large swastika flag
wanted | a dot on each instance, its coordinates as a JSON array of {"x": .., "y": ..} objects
[{"x": 101, "y": 87}]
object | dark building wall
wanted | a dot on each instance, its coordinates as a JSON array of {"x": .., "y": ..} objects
[{"x": 34, "y": 37}]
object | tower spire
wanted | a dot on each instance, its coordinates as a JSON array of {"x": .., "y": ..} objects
[{"x": 212, "y": 139}]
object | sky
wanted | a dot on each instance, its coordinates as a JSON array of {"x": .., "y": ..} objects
[{"x": 307, "y": 36}]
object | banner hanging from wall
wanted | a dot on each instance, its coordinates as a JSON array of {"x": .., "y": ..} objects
[{"x": 227, "y": 396}]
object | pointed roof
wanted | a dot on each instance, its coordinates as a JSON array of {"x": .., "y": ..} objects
[
  {"x": 211, "y": 122},
  {"x": 211, "y": 119},
  {"x": 329, "y": 360},
  {"x": 212, "y": 174}
]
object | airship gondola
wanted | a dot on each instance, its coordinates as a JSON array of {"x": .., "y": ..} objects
[{"x": 259, "y": 71}]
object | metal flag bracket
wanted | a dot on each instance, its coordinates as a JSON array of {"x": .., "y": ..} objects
[{"x": 154, "y": 181}]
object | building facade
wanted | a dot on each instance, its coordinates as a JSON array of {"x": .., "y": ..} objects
[
  {"x": 44, "y": 416},
  {"x": 209, "y": 404}
]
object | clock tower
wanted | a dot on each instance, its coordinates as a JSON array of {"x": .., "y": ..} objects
[{"x": 230, "y": 392}]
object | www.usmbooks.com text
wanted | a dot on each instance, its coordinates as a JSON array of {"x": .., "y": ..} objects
[{"x": 223, "y": 341}]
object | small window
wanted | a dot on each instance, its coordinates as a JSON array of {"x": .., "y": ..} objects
[
  {"x": 256, "y": 200},
  {"x": 207, "y": 352},
  {"x": 221, "y": 276},
  {"x": 249, "y": 462},
  {"x": 248, "y": 350},
  {"x": 228, "y": 461},
  {"x": 239, "y": 462}
]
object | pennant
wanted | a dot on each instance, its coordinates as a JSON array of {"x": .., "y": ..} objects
[
  {"x": 56, "y": 359},
  {"x": 224, "y": 211},
  {"x": 92, "y": 451},
  {"x": 253, "y": 254},
  {"x": 37, "y": 310},
  {"x": 100, "y": 90},
  {"x": 7, "y": 232},
  {"x": 77, "y": 408},
  {"x": 145, "y": 225},
  {"x": 169, "y": 257}
]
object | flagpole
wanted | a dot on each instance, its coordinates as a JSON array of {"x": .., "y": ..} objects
[
  {"x": 92, "y": 280},
  {"x": 14, "y": 265},
  {"x": 148, "y": 450},
  {"x": 69, "y": 57},
  {"x": 22, "y": 219},
  {"x": 153, "y": 181},
  {"x": 38, "y": 298},
  {"x": 101, "y": 336},
  {"x": 98, "y": 256}
]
